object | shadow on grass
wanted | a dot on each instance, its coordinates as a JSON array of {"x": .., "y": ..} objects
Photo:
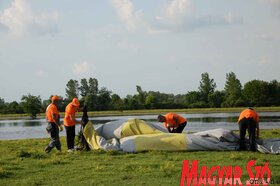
[
  {"x": 34, "y": 155},
  {"x": 5, "y": 173}
]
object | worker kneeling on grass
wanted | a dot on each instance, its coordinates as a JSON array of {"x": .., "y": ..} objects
[
  {"x": 248, "y": 119},
  {"x": 173, "y": 122}
]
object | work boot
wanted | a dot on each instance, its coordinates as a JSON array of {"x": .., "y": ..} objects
[
  {"x": 70, "y": 150},
  {"x": 48, "y": 149}
]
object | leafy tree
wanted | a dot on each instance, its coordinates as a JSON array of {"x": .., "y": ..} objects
[
  {"x": 273, "y": 93},
  {"x": 31, "y": 104},
  {"x": 131, "y": 102},
  {"x": 233, "y": 90},
  {"x": 103, "y": 99},
  {"x": 191, "y": 98},
  {"x": 141, "y": 96},
  {"x": 63, "y": 102},
  {"x": 255, "y": 92},
  {"x": 93, "y": 86},
  {"x": 14, "y": 108},
  {"x": 180, "y": 101},
  {"x": 116, "y": 102},
  {"x": 3, "y": 106},
  {"x": 84, "y": 88},
  {"x": 165, "y": 101},
  {"x": 151, "y": 101},
  {"x": 158, "y": 100},
  {"x": 91, "y": 101},
  {"x": 207, "y": 87},
  {"x": 89, "y": 92},
  {"x": 216, "y": 99},
  {"x": 72, "y": 89}
]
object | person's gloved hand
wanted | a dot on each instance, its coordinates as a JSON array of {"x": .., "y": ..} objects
[{"x": 60, "y": 128}]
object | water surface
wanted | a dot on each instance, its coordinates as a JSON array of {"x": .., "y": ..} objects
[{"x": 25, "y": 129}]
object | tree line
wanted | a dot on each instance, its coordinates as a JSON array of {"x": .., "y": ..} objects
[{"x": 253, "y": 93}]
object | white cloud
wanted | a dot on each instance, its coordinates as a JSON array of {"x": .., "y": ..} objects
[
  {"x": 191, "y": 23},
  {"x": 41, "y": 73},
  {"x": 20, "y": 20},
  {"x": 82, "y": 68},
  {"x": 213, "y": 20},
  {"x": 127, "y": 14},
  {"x": 124, "y": 44},
  {"x": 231, "y": 18},
  {"x": 179, "y": 16},
  {"x": 264, "y": 60},
  {"x": 176, "y": 16},
  {"x": 177, "y": 10}
]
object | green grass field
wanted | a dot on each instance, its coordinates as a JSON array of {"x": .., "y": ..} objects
[{"x": 23, "y": 162}]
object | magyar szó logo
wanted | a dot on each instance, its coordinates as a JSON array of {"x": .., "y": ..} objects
[{"x": 224, "y": 175}]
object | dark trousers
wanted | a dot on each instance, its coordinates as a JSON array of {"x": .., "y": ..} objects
[
  {"x": 249, "y": 124},
  {"x": 53, "y": 130},
  {"x": 179, "y": 129},
  {"x": 70, "y": 136}
]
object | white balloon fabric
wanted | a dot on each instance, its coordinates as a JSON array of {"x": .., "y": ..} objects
[{"x": 135, "y": 135}]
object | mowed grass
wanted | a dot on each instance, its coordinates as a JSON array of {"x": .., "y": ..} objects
[{"x": 23, "y": 162}]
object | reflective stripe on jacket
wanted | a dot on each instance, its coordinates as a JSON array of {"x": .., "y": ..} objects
[{"x": 50, "y": 111}]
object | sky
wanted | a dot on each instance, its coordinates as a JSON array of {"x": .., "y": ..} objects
[{"x": 162, "y": 45}]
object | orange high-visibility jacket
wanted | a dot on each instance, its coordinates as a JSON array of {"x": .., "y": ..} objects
[
  {"x": 51, "y": 110},
  {"x": 248, "y": 113},
  {"x": 170, "y": 120},
  {"x": 70, "y": 111}
]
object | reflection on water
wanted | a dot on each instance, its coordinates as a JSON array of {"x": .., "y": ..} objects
[{"x": 22, "y": 129}]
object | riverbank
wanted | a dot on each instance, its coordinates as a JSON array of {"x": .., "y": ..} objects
[
  {"x": 144, "y": 112},
  {"x": 23, "y": 162}
]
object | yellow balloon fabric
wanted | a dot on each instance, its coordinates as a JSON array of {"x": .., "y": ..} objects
[
  {"x": 137, "y": 127},
  {"x": 91, "y": 136},
  {"x": 161, "y": 142}
]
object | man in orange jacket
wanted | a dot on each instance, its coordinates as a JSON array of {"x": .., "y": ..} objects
[
  {"x": 52, "y": 117},
  {"x": 248, "y": 119},
  {"x": 173, "y": 122},
  {"x": 70, "y": 122}
]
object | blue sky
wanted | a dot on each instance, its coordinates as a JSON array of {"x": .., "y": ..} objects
[{"x": 162, "y": 45}]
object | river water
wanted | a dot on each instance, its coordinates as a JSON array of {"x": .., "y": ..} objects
[{"x": 25, "y": 129}]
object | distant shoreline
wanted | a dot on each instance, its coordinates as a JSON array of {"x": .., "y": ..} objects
[{"x": 144, "y": 112}]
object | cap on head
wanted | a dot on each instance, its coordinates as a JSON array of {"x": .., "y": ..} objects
[
  {"x": 75, "y": 102},
  {"x": 55, "y": 98}
]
